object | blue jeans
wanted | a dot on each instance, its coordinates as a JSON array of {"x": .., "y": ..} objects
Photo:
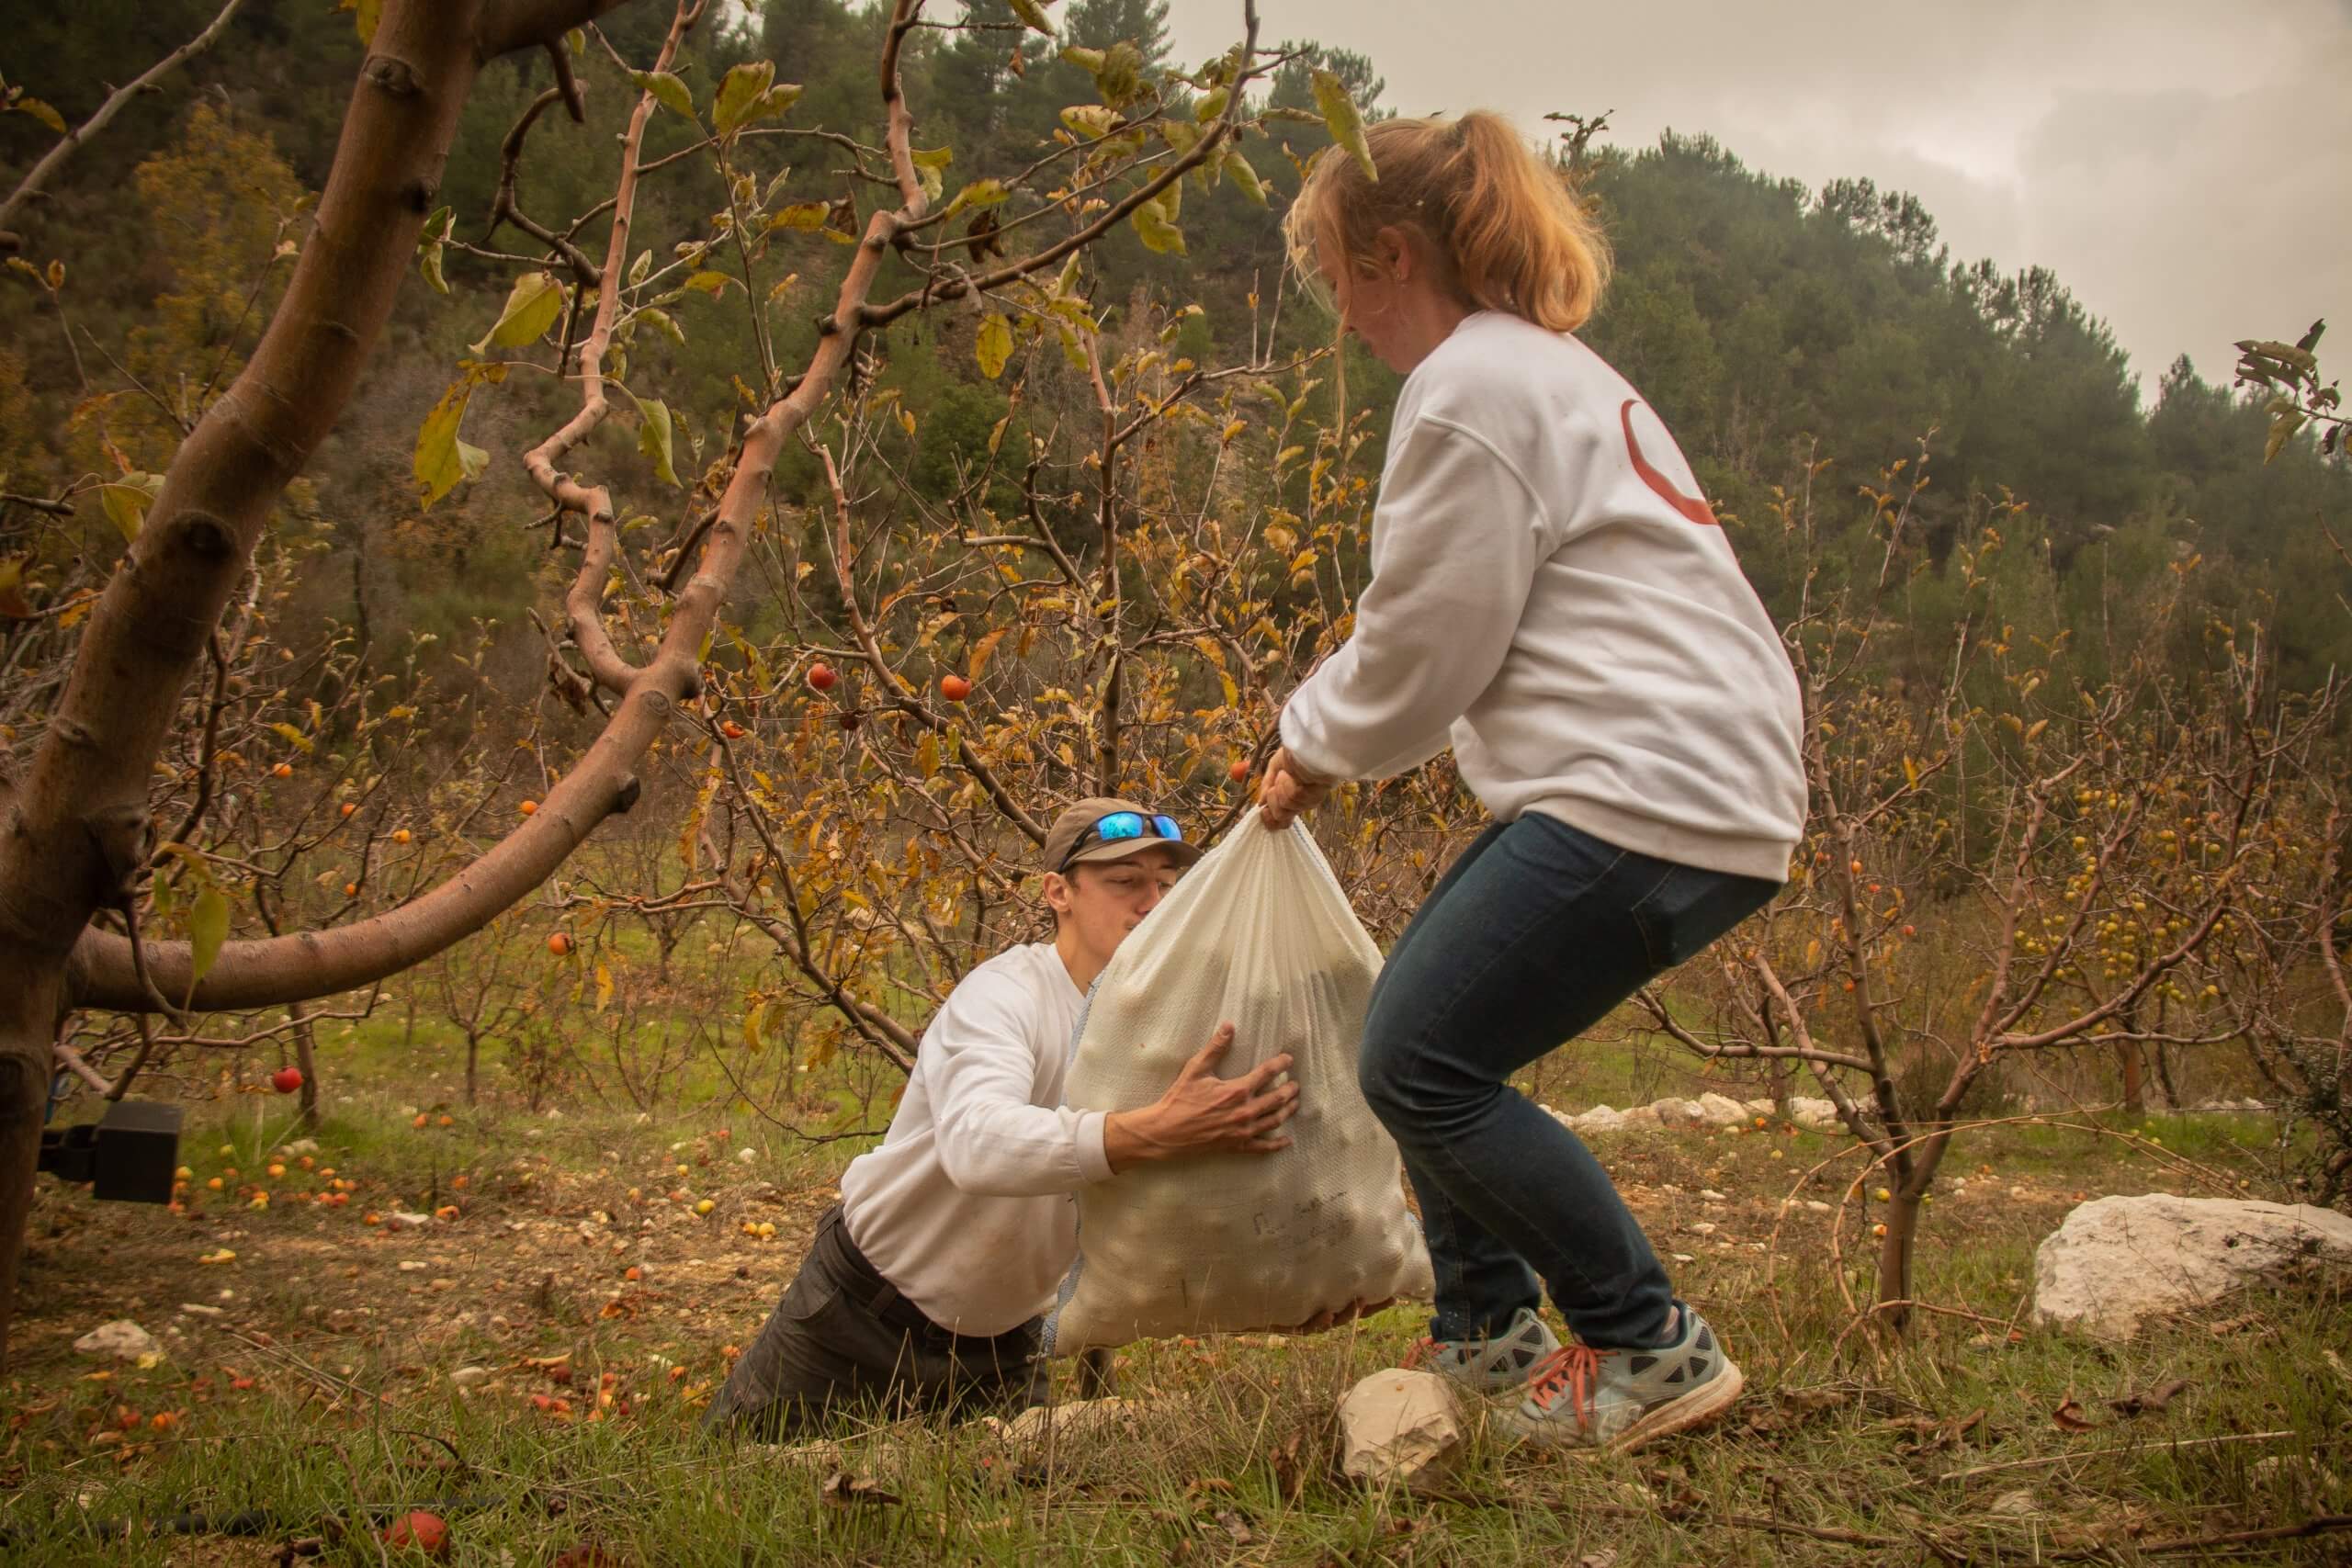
[{"x": 1532, "y": 936}]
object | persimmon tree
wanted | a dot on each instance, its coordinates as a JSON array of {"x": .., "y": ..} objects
[
  {"x": 2024, "y": 858},
  {"x": 91, "y": 817}
]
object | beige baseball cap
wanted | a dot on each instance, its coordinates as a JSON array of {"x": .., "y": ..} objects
[{"x": 1076, "y": 821}]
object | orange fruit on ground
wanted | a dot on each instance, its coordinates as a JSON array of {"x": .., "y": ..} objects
[
  {"x": 283, "y": 771},
  {"x": 351, "y": 890},
  {"x": 426, "y": 1532}
]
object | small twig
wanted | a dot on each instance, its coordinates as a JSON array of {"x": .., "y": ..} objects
[{"x": 2048, "y": 1459}]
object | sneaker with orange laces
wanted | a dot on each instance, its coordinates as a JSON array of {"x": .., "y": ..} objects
[
  {"x": 1619, "y": 1400},
  {"x": 1494, "y": 1364}
]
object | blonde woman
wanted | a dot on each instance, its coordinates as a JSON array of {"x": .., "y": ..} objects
[{"x": 1552, "y": 598}]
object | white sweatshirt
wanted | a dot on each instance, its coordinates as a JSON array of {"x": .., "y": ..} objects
[
  {"x": 969, "y": 1204},
  {"x": 1550, "y": 596}
]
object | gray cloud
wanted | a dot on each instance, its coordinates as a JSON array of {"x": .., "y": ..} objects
[{"x": 2183, "y": 166}]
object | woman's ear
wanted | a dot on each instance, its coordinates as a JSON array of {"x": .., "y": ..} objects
[{"x": 1394, "y": 246}]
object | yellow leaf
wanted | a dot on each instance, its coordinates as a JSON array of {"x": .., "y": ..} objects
[
  {"x": 993, "y": 346},
  {"x": 1340, "y": 118},
  {"x": 604, "y": 987},
  {"x": 532, "y": 306}
]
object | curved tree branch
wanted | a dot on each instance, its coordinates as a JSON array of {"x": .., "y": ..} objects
[{"x": 55, "y": 157}]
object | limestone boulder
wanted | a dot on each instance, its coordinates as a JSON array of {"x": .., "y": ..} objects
[
  {"x": 2116, "y": 1263},
  {"x": 122, "y": 1340},
  {"x": 1721, "y": 1109},
  {"x": 1399, "y": 1428}
]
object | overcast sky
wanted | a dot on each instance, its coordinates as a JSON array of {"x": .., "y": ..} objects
[{"x": 2184, "y": 165}]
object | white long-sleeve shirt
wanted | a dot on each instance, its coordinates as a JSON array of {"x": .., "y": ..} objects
[
  {"x": 1551, "y": 597},
  {"x": 969, "y": 1204}
]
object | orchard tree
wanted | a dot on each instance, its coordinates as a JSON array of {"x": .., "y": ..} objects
[
  {"x": 2017, "y": 861},
  {"x": 106, "y": 904}
]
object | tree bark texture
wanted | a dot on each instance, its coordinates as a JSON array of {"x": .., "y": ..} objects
[{"x": 76, "y": 830}]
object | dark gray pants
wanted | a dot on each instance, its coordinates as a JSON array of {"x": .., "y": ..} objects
[{"x": 842, "y": 1339}]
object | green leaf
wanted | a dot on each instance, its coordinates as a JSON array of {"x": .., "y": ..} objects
[
  {"x": 428, "y": 248},
  {"x": 1211, "y": 105},
  {"x": 711, "y": 283},
  {"x": 441, "y": 459},
  {"x": 1238, "y": 170},
  {"x": 744, "y": 97},
  {"x": 994, "y": 346},
  {"x": 663, "y": 320},
  {"x": 128, "y": 500},
  {"x": 979, "y": 192},
  {"x": 1121, "y": 77},
  {"x": 668, "y": 91},
  {"x": 42, "y": 112},
  {"x": 654, "y": 435},
  {"x": 638, "y": 268},
  {"x": 1154, "y": 224},
  {"x": 208, "y": 928},
  {"x": 1086, "y": 59},
  {"x": 1339, "y": 117},
  {"x": 1031, "y": 12},
  {"x": 531, "y": 309}
]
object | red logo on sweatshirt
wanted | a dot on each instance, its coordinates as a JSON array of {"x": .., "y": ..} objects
[{"x": 1690, "y": 507}]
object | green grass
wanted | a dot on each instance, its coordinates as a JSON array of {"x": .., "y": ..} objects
[{"x": 1849, "y": 1448}]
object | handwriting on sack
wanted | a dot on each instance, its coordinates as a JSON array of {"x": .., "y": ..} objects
[{"x": 1311, "y": 1222}]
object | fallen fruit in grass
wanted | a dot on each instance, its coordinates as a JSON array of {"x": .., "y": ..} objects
[
  {"x": 184, "y": 1174},
  {"x": 372, "y": 1220},
  {"x": 1878, "y": 1230},
  {"x": 954, "y": 688},
  {"x": 449, "y": 1120},
  {"x": 401, "y": 835},
  {"x": 460, "y": 1181},
  {"x": 821, "y": 677},
  {"x": 422, "y": 1119},
  {"x": 349, "y": 806},
  {"x": 214, "y": 1184},
  {"x": 445, "y": 1211},
  {"x": 426, "y": 1532},
  {"x": 704, "y": 1207},
  {"x": 560, "y": 943},
  {"x": 283, "y": 771},
  {"x": 351, "y": 890},
  {"x": 276, "y": 1170},
  {"x": 767, "y": 1230},
  {"x": 632, "y": 1272}
]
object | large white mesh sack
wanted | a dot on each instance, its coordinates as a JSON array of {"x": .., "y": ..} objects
[{"x": 1258, "y": 935}]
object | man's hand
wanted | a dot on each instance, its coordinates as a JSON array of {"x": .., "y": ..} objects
[
  {"x": 1288, "y": 789},
  {"x": 1201, "y": 1111}
]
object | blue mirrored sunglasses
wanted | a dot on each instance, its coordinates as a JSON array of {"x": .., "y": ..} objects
[{"x": 1121, "y": 825}]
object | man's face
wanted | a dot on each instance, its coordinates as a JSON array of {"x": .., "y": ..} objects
[{"x": 1101, "y": 901}]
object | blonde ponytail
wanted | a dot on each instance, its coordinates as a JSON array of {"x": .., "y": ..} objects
[{"x": 1509, "y": 228}]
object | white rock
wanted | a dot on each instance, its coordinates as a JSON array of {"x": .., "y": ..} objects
[
  {"x": 413, "y": 1265},
  {"x": 747, "y": 1154},
  {"x": 1813, "y": 1112},
  {"x": 1400, "y": 1426},
  {"x": 1599, "y": 1118},
  {"x": 466, "y": 1377},
  {"x": 1721, "y": 1109},
  {"x": 1638, "y": 1116},
  {"x": 122, "y": 1340},
  {"x": 303, "y": 1146},
  {"x": 1815, "y": 1205},
  {"x": 1709, "y": 1195},
  {"x": 401, "y": 1220},
  {"x": 2117, "y": 1261},
  {"x": 198, "y": 1309},
  {"x": 1673, "y": 1113},
  {"x": 1701, "y": 1227},
  {"x": 1759, "y": 1106}
]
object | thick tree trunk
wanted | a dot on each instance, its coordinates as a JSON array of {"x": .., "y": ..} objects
[{"x": 77, "y": 830}]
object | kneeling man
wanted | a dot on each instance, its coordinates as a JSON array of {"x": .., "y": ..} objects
[{"x": 924, "y": 1286}]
